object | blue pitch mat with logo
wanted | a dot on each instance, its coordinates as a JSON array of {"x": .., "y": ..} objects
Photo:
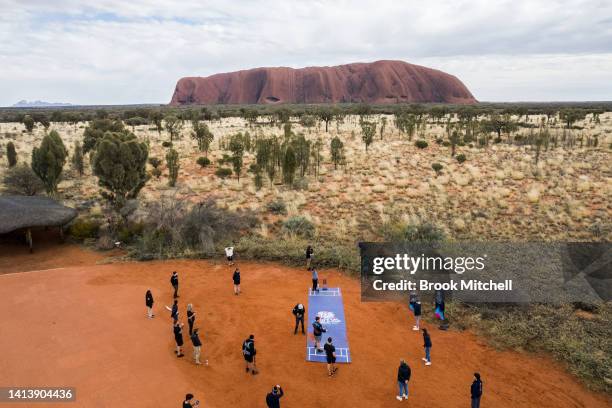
[{"x": 327, "y": 304}]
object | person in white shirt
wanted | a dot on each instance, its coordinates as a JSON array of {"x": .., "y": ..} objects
[{"x": 229, "y": 253}]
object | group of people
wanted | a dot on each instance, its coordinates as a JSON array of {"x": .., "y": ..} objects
[
  {"x": 177, "y": 325},
  {"x": 249, "y": 350}
]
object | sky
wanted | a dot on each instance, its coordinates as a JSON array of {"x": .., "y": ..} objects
[{"x": 126, "y": 52}]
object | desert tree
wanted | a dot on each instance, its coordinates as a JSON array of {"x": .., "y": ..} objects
[
  {"x": 28, "y": 122},
  {"x": 454, "y": 141},
  {"x": 96, "y": 131},
  {"x": 119, "y": 162},
  {"x": 157, "y": 117},
  {"x": 302, "y": 153},
  {"x": 406, "y": 123},
  {"x": 173, "y": 126},
  {"x": 337, "y": 151},
  {"x": 250, "y": 115},
  {"x": 202, "y": 135},
  {"x": 368, "y": 130},
  {"x": 383, "y": 125},
  {"x": 236, "y": 146},
  {"x": 48, "y": 161},
  {"x": 22, "y": 180},
  {"x": 173, "y": 164},
  {"x": 77, "y": 159},
  {"x": 499, "y": 124},
  {"x": 281, "y": 115},
  {"x": 289, "y": 165},
  {"x": 308, "y": 122},
  {"x": 11, "y": 154},
  {"x": 571, "y": 116},
  {"x": 326, "y": 114},
  {"x": 135, "y": 121},
  {"x": 317, "y": 147},
  {"x": 44, "y": 121}
]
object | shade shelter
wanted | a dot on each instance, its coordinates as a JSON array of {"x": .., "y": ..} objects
[{"x": 27, "y": 212}]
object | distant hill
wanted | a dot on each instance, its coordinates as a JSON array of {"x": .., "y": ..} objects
[
  {"x": 38, "y": 104},
  {"x": 376, "y": 82}
]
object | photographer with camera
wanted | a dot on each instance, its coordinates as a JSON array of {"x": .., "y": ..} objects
[
  {"x": 273, "y": 398},
  {"x": 190, "y": 401}
]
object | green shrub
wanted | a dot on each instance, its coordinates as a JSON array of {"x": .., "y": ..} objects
[
  {"x": 421, "y": 144},
  {"x": 290, "y": 250},
  {"x": 166, "y": 144},
  {"x": 130, "y": 232},
  {"x": 439, "y": 140},
  {"x": 277, "y": 207},
  {"x": 223, "y": 172},
  {"x": 437, "y": 167},
  {"x": 301, "y": 183},
  {"x": 461, "y": 158},
  {"x": 203, "y": 161},
  {"x": 83, "y": 228},
  {"x": 397, "y": 231},
  {"x": 299, "y": 225}
]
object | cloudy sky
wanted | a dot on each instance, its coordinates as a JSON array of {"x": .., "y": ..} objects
[{"x": 121, "y": 52}]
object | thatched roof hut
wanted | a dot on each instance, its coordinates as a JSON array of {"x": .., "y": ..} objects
[{"x": 26, "y": 212}]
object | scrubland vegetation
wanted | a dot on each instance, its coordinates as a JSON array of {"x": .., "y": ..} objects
[{"x": 185, "y": 182}]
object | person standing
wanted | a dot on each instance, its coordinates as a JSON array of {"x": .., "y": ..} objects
[
  {"x": 317, "y": 331},
  {"x": 197, "y": 346},
  {"x": 149, "y": 302},
  {"x": 417, "y": 316},
  {"x": 249, "y": 352},
  {"x": 236, "y": 279},
  {"x": 178, "y": 338},
  {"x": 330, "y": 354},
  {"x": 229, "y": 254},
  {"x": 315, "y": 280},
  {"x": 476, "y": 391},
  {"x": 403, "y": 376},
  {"x": 190, "y": 402},
  {"x": 174, "y": 311},
  {"x": 439, "y": 304},
  {"x": 174, "y": 281},
  {"x": 427, "y": 346},
  {"x": 309, "y": 254},
  {"x": 190, "y": 318},
  {"x": 298, "y": 312},
  {"x": 273, "y": 398}
]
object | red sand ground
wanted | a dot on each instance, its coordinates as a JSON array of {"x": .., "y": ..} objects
[{"x": 86, "y": 327}]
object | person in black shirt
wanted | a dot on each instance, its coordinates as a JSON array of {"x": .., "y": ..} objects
[
  {"x": 174, "y": 311},
  {"x": 309, "y": 253},
  {"x": 417, "y": 315},
  {"x": 317, "y": 331},
  {"x": 189, "y": 402},
  {"x": 197, "y": 346},
  {"x": 476, "y": 391},
  {"x": 298, "y": 312},
  {"x": 236, "y": 279},
  {"x": 330, "y": 353},
  {"x": 403, "y": 376},
  {"x": 178, "y": 338},
  {"x": 427, "y": 346},
  {"x": 190, "y": 318},
  {"x": 273, "y": 398},
  {"x": 149, "y": 303},
  {"x": 249, "y": 352},
  {"x": 174, "y": 281}
]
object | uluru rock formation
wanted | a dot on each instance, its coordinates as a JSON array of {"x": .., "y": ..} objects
[{"x": 376, "y": 82}]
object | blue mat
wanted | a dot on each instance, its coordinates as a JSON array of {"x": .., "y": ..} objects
[{"x": 327, "y": 304}]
